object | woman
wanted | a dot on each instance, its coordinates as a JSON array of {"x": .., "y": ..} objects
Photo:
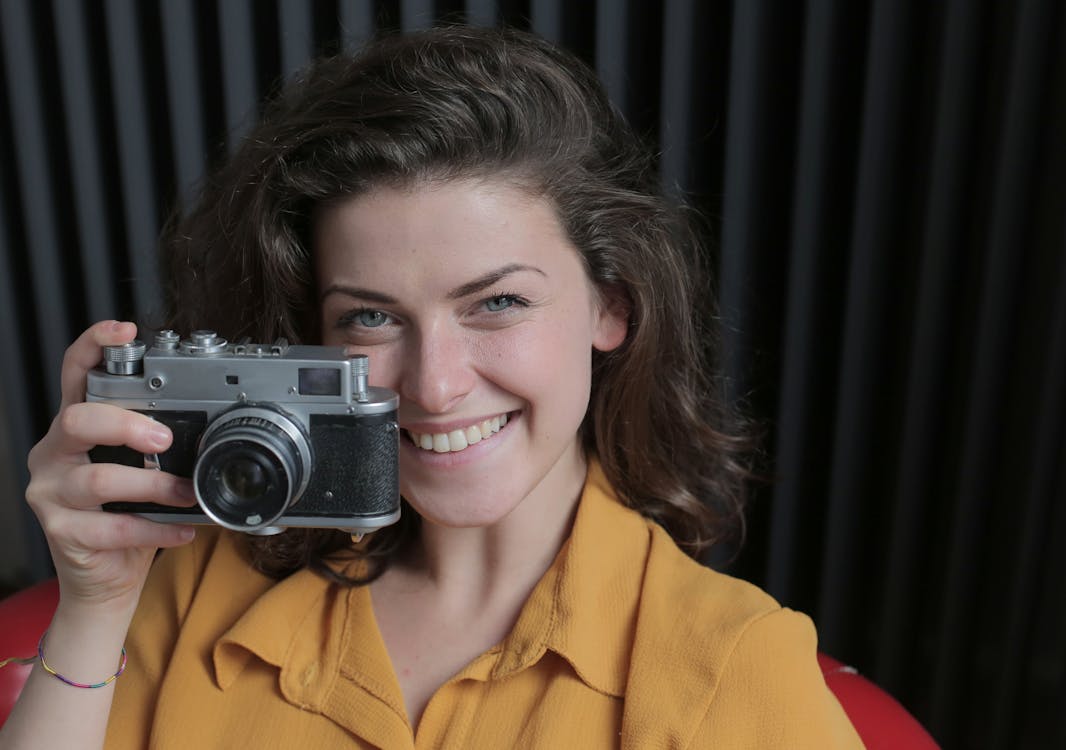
[{"x": 464, "y": 207}]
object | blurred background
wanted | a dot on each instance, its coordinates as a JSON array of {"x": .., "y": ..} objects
[{"x": 885, "y": 186}]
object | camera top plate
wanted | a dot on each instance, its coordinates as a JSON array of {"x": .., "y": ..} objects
[{"x": 205, "y": 371}]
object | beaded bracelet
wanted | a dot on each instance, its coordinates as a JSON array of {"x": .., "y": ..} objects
[{"x": 61, "y": 678}]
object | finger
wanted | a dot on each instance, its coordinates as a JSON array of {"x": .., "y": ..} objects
[
  {"x": 116, "y": 531},
  {"x": 86, "y": 353},
  {"x": 82, "y": 426},
  {"x": 92, "y": 485}
]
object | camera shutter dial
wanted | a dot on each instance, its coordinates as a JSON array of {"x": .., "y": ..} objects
[{"x": 203, "y": 342}]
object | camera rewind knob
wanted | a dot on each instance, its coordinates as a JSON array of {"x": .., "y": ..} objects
[
  {"x": 360, "y": 365},
  {"x": 124, "y": 359}
]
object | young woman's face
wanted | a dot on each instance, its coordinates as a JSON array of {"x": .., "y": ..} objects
[{"x": 473, "y": 305}]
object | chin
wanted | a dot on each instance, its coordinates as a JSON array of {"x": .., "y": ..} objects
[
  {"x": 462, "y": 517},
  {"x": 463, "y": 509}
]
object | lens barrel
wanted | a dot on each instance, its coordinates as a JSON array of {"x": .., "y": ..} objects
[{"x": 254, "y": 463}]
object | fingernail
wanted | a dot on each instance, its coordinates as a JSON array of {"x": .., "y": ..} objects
[
  {"x": 159, "y": 435},
  {"x": 184, "y": 490},
  {"x": 116, "y": 324},
  {"x": 186, "y": 534}
]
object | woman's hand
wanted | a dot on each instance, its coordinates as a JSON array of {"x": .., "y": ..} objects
[{"x": 101, "y": 558}]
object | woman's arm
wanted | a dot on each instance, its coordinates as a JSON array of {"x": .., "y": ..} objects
[{"x": 101, "y": 559}]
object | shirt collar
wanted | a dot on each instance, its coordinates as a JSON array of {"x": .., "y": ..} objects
[
  {"x": 303, "y": 626},
  {"x": 584, "y": 609},
  {"x": 271, "y": 627}
]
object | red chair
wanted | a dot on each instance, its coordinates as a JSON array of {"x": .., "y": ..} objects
[
  {"x": 23, "y": 618},
  {"x": 880, "y": 720}
]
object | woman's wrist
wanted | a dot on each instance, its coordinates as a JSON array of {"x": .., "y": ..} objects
[
  {"x": 96, "y": 615},
  {"x": 84, "y": 643},
  {"x": 83, "y": 647}
]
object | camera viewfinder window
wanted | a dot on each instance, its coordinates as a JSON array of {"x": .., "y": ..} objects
[{"x": 320, "y": 381}]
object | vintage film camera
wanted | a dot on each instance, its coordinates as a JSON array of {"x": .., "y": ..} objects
[{"x": 272, "y": 435}]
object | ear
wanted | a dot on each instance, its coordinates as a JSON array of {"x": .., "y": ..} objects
[{"x": 612, "y": 318}]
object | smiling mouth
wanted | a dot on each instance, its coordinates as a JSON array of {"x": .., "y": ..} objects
[{"x": 457, "y": 440}]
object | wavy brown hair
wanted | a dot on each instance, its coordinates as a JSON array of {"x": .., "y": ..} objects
[{"x": 459, "y": 102}]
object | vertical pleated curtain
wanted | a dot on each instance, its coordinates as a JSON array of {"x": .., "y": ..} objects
[{"x": 884, "y": 184}]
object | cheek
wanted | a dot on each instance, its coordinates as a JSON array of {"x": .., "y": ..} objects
[
  {"x": 546, "y": 361},
  {"x": 539, "y": 346}
]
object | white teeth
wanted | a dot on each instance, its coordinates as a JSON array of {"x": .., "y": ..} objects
[{"x": 457, "y": 440}]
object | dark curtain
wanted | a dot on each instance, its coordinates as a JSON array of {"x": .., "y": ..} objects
[{"x": 885, "y": 184}]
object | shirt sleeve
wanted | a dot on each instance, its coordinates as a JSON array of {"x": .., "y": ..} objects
[{"x": 772, "y": 694}]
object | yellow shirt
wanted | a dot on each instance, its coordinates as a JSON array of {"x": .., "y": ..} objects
[{"x": 625, "y": 642}]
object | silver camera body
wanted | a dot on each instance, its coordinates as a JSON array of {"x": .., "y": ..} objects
[{"x": 272, "y": 435}]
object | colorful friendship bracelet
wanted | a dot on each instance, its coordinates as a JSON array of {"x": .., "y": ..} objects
[
  {"x": 61, "y": 678},
  {"x": 17, "y": 660}
]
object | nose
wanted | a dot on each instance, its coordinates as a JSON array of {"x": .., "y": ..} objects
[{"x": 437, "y": 374}]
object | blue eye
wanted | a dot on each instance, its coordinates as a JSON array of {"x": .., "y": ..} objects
[
  {"x": 370, "y": 318},
  {"x": 502, "y": 302}
]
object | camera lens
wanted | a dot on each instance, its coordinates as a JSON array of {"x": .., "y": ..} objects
[
  {"x": 245, "y": 478},
  {"x": 244, "y": 484},
  {"x": 254, "y": 463}
]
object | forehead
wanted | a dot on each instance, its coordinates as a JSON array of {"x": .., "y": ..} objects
[{"x": 439, "y": 233}]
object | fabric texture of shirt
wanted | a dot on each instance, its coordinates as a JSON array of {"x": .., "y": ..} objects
[{"x": 624, "y": 642}]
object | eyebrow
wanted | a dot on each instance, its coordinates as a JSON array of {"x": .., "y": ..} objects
[
  {"x": 463, "y": 290},
  {"x": 490, "y": 278}
]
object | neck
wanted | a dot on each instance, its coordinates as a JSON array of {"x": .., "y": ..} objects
[{"x": 472, "y": 567}]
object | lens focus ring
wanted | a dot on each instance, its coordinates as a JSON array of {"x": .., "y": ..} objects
[{"x": 254, "y": 463}]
